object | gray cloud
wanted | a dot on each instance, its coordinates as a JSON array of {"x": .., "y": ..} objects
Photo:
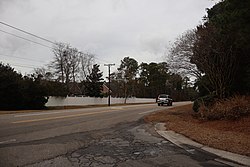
[{"x": 112, "y": 29}]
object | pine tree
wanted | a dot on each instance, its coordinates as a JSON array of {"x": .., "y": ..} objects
[{"x": 94, "y": 82}]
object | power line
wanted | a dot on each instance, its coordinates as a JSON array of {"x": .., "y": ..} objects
[
  {"x": 10, "y": 56},
  {"x": 36, "y": 36},
  {"x": 26, "y": 39},
  {"x": 26, "y": 66},
  {"x": 27, "y": 32}
]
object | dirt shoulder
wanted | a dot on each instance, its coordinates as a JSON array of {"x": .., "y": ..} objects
[{"x": 226, "y": 135}]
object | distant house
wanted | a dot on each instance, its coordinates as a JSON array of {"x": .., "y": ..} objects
[
  {"x": 74, "y": 89},
  {"x": 105, "y": 88}
]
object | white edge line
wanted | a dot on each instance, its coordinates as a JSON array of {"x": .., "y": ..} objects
[
  {"x": 147, "y": 112},
  {"x": 33, "y": 114},
  {"x": 7, "y": 141}
]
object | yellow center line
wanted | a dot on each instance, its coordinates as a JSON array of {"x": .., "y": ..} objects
[{"x": 61, "y": 117}]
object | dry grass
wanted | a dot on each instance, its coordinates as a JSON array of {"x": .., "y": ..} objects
[
  {"x": 229, "y": 109},
  {"x": 227, "y": 135}
]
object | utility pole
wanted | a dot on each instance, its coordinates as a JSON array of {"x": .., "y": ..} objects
[{"x": 109, "y": 81}]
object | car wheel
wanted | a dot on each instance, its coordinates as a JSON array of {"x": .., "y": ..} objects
[{"x": 158, "y": 104}]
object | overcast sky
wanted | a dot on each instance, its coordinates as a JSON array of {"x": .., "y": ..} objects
[{"x": 111, "y": 29}]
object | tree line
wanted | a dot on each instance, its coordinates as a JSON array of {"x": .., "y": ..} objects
[
  {"x": 149, "y": 80},
  {"x": 130, "y": 79},
  {"x": 20, "y": 92},
  {"x": 63, "y": 77},
  {"x": 79, "y": 75}
]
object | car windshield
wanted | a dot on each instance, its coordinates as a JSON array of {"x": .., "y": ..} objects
[{"x": 163, "y": 96}]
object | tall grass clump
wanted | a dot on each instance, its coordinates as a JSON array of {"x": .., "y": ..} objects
[{"x": 227, "y": 109}]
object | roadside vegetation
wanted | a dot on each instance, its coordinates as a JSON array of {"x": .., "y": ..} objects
[
  {"x": 225, "y": 109},
  {"x": 129, "y": 80},
  {"x": 18, "y": 92},
  {"x": 216, "y": 53},
  {"x": 72, "y": 73}
]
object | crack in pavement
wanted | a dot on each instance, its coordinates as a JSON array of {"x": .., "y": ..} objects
[{"x": 127, "y": 144}]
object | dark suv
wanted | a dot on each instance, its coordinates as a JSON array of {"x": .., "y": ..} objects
[{"x": 164, "y": 99}]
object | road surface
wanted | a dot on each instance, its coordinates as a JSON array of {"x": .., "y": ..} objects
[{"x": 104, "y": 136}]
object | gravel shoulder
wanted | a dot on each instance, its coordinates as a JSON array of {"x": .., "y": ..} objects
[{"x": 232, "y": 136}]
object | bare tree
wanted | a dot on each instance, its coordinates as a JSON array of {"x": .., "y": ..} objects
[
  {"x": 180, "y": 54},
  {"x": 70, "y": 65},
  {"x": 66, "y": 63},
  {"x": 58, "y": 64},
  {"x": 44, "y": 73},
  {"x": 86, "y": 64},
  {"x": 74, "y": 63}
]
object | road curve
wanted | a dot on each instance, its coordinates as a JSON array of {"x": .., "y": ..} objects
[{"x": 104, "y": 136}]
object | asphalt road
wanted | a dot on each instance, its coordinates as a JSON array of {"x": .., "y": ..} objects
[{"x": 104, "y": 136}]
